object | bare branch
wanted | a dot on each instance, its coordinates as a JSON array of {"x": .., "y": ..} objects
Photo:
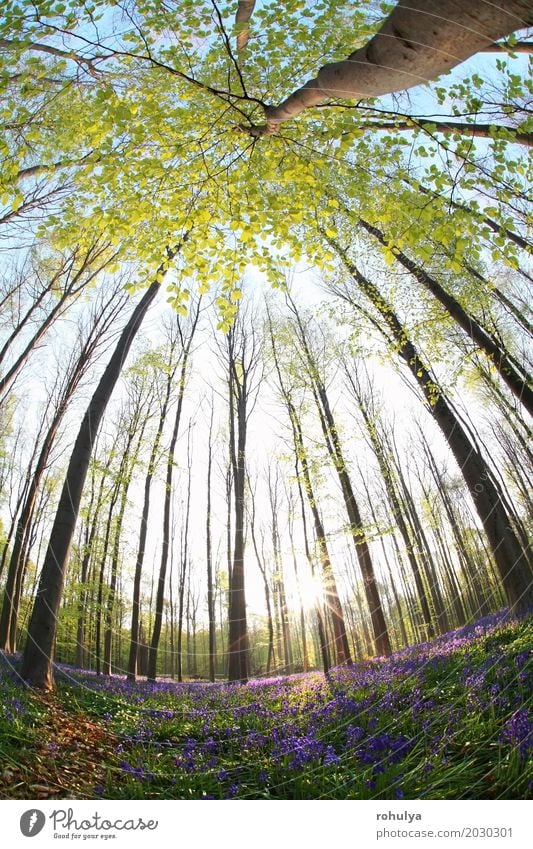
[{"x": 88, "y": 64}]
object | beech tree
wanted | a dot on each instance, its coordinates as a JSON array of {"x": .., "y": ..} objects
[
  {"x": 91, "y": 339},
  {"x": 243, "y": 363},
  {"x": 162, "y": 368},
  {"x": 331, "y": 593},
  {"x": 277, "y": 137},
  {"x": 185, "y": 335},
  {"x": 37, "y": 664},
  {"x": 108, "y": 146},
  {"x": 417, "y": 42},
  {"x": 333, "y": 443},
  {"x": 53, "y": 285},
  {"x": 512, "y": 559}
]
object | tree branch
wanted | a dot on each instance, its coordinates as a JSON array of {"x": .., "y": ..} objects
[
  {"x": 419, "y": 41},
  {"x": 503, "y": 47},
  {"x": 88, "y": 64},
  {"x": 245, "y": 10},
  {"x": 480, "y": 131}
]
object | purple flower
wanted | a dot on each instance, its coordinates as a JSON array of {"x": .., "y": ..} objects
[
  {"x": 330, "y": 757},
  {"x": 518, "y": 730}
]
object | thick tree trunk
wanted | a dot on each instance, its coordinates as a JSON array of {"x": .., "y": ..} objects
[
  {"x": 38, "y": 654},
  {"x": 242, "y": 359},
  {"x": 419, "y": 41},
  {"x": 244, "y": 12}
]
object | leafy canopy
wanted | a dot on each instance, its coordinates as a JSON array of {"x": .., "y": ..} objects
[{"x": 126, "y": 118}]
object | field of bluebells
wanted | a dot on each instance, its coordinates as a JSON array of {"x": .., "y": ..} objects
[{"x": 450, "y": 719}]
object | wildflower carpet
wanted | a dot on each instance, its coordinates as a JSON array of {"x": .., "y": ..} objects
[{"x": 450, "y": 719}]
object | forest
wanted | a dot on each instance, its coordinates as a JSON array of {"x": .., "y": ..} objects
[{"x": 265, "y": 399}]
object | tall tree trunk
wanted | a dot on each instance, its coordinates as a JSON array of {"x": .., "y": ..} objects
[
  {"x": 141, "y": 548},
  {"x": 510, "y": 371},
  {"x": 331, "y": 437},
  {"x": 209, "y": 556},
  {"x": 243, "y": 357},
  {"x": 93, "y": 513},
  {"x": 156, "y": 632},
  {"x": 184, "y": 563},
  {"x": 238, "y": 638},
  {"x": 333, "y": 603},
  {"x": 512, "y": 561},
  {"x": 377, "y": 444},
  {"x": 263, "y": 569},
  {"x": 38, "y": 654},
  {"x": 101, "y": 574},
  {"x": 136, "y": 429}
]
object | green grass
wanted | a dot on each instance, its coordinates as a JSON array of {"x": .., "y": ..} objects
[{"x": 450, "y": 719}]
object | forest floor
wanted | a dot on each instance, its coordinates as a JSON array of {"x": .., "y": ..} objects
[{"x": 448, "y": 719}]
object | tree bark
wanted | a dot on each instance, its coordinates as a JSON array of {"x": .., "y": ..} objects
[
  {"x": 156, "y": 632},
  {"x": 418, "y": 41},
  {"x": 507, "y": 367},
  {"x": 209, "y": 555},
  {"x": 37, "y": 662},
  {"x": 513, "y": 562}
]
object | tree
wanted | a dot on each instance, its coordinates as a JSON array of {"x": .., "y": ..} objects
[
  {"x": 376, "y": 437},
  {"x": 209, "y": 553},
  {"x": 335, "y": 451},
  {"x": 65, "y": 278},
  {"x": 512, "y": 561},
  {"x": 38, "y": 653},
  {"x": 124, "y": 173},
  {"x": 259, "y": 555},
  {"x": 92, "y": 337},
  {"x": 417, "y": 42},
  {"x": 127, "y": 124},
  {"x": 186, "y": 336},
  {"x": 331, "y": 594},
  {"x": 162, "y": 367},
  {"x": 510, "y": 370},
  {"x": 134, "y": 430},
  {"x": 243, "y": 352}
]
